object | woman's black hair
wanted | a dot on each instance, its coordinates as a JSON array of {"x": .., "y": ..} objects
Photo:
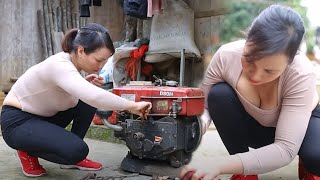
[
  {"x": 278, "y": 29},
  {"x": 91, "y": 37}
]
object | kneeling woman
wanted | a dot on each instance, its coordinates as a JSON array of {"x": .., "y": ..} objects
[
  {"x": 261, "y": 93},
  {"x": 48, "y": 96}
]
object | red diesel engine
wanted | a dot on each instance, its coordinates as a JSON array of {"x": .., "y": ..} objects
[{"x": 172, "y": 130}]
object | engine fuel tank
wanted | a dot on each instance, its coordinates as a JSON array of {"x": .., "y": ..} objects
[{"x": 177, "y": 101}]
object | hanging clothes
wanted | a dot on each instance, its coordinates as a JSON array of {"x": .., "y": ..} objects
[
  {"x": 136, "y": 8},
  {"x": 84, "y": 8},
  {"x": 97, "y": 3},
  {"x": 132, "y": 64},
  {"x": 155, "y": 7}
]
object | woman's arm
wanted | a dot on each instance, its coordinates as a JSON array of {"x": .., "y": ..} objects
[
  {"x": 205, "y": 121},
  {"x": 212, "y": 76},
  {"x": 64, "y": 75}
]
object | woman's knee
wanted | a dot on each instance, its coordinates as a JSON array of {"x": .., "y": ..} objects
[
  {"x": 310, "y": 154},
  {"x": 76, "y": 152},
  {"x": 309, "y": 151},
  {"x": 311, "y": 162},
  {"x": 220, "y": 93},
  {"x": 82, "y": 106}
]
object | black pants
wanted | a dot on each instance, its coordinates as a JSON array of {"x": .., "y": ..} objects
[
  {"x": 239, "y": 131},
  {"x": 46, "y": 137}
]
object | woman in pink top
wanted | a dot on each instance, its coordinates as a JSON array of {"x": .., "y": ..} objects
[
  {"x": 51, "y": 94},
  {"x": 261, "y": 93}
]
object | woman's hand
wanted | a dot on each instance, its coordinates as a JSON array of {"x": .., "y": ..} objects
[
  {"x": 141, "y": 108},
  {"x": 95, "y": 79},
  {"x": 192, "y": 173}
]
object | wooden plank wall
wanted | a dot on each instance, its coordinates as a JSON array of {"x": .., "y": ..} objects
[
  {"x": 207, "y": 29},
  {"x": 111, "y": 16},
  {"x": 19, "y": 39},
  {"x": 20, "y": 45}
]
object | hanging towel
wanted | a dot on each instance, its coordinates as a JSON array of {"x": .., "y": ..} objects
[
  {"x": 132, "y": 64},
  {"x": 155, "y": 7}
]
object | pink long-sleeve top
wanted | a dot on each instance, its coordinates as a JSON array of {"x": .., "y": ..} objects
[
  {"x": 56, "y": 85},
  {"x": 297, "y": 96}
]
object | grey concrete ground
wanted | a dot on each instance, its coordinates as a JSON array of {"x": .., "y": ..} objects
[{"x": 111, "y": 155}]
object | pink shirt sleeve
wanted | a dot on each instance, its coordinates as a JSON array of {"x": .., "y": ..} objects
[{"x": 213, "y": 75}]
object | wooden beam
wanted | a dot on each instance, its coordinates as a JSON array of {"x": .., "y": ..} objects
[{"x": 210, "y": 13}]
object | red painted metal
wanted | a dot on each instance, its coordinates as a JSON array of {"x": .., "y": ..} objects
[{"x": 191, "y": 100}]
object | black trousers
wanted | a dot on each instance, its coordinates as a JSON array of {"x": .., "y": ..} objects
[
  {"x": 239, "y": 131},
  {"x": 46, "y": 137}
]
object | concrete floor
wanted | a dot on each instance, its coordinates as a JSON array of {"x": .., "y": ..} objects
[{"x": 111, "y": 155}]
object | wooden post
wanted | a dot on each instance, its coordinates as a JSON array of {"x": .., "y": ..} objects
[
  {"x": 131, "y": 28},
  {"x": 47, "y": 27},
  {"x": 75, "y": 21},
  {"x": 139, "y": 28},
  {"x": 51, "y": 26},
  {"x": 64, "y": 15},
  {"x": 52, "y": 13},
  {"x": 69, "y": 15},
  {"x": 43, "y": 39},
  {"x": 59, "y": 19}
]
